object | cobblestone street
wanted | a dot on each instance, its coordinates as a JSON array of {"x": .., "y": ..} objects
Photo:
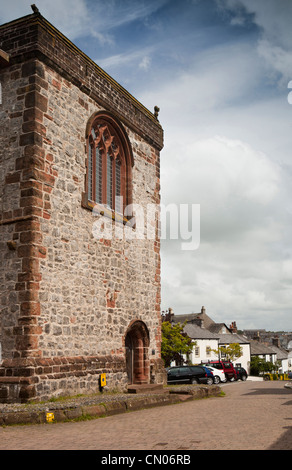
[{"x": 251, "y": 416}]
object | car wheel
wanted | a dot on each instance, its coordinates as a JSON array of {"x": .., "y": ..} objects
[
  {"x": 194, "y": 381},
  {"x": 243, "y": 377},
  {"x": 216, "y": 379},
  {"x": 209, "y": 381}
]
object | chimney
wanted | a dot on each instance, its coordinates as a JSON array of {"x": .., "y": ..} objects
[
  {"x": 203, "y": 310},
  {"x": 276, "y": 341},
  {"x": 233, "y": 327},
  {"x": 167, "y": 316},
  {"x": 257, "y": 337}
]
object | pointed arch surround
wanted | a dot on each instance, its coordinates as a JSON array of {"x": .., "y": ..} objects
[
  {"x": 109, "y": 164},
  {"x": 137, "y": 353}
]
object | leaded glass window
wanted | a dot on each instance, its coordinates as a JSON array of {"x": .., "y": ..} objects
[{"x": 106, "y": 167}]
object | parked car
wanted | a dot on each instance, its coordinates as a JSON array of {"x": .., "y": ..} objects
[
  {"x": 227, "y": 367},
  {"x": 241, "y": 373},
  {"x": 290, "y": 375},
  {"x": 218, "y": 374},
  {"x": 188, "y": 374},
  {"x": 209, "y": 374}
]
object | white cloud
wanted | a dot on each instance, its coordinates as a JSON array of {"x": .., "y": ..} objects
[
  {"x": 227, "y": 149},
  {"x": 145, "y": 63},
  {"x": 277, "y": 59},
  {"x": 71, "y": 16},
  {"x": 137, "y": 58},
  {"x": 274, "y": 20},
  {"x": 227, "y": 145},
  {"x": 80, "y": 18}
]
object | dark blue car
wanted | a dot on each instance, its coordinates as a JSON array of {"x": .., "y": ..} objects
[{"x": 209, "y": 374}]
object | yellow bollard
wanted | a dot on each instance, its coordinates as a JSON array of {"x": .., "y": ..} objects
[
  {"x": 50, "y": 417},
  {"x": 102, "y": 380}
]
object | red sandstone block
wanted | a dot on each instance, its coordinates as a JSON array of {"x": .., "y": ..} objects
[
  {"x": 35, "y": 251},
  {"x": 27, "y": 320},
  {"x": 47, "y": 178},
  {"x": 31, "y": 201},
  {"x": 46, "y": 215},
  {"x": 49, "y": 157},
  {"x": 20, "y": 286},
  {"x": 26, "y": 343},
  {"x": 32, "y": 211},
  {"x": 28, "y": 296},
  {"x": 33, "y": 126},
  {"x": 31, "y": 138},
  {"x": 27, "y": 392},
  {"x": 35, "y": 99},
  {"x": 29, "y": 161},
  {"x": 33, "y": 67},
  {"x": 13, "y": 177},
  {"x": 30, "y": 308},
  {"x": 30, "y": 265},
  {"x": 27, "y": 225},
  {"x": 34, "y": 150},
  {"x": 30, "y": 236},
  {"x": 22, "y": 277},
  {"x": 56, "y": 84},
  {"x": 33, "y": 114},
  {"x": 17, "y": 213}
]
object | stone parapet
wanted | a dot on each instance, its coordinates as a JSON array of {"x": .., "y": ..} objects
[{"x": 33, "y": 36}]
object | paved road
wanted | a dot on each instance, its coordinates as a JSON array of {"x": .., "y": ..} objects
[{"x": 251, "y": 416}]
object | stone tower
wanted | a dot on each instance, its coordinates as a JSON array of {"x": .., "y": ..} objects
[{"x": 77, "y": 154}]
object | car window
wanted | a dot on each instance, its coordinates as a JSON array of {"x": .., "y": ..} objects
[
  {"x": 217, "y": 366},
  {"x": 184, "y": 370},
  {"x": 173, "y": 371},
  {"x": 197, "y": 369}
]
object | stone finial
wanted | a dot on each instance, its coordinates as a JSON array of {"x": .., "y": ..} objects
[
  {"x": 156, "y": 111},
  {"x": 34, "y": 8}
]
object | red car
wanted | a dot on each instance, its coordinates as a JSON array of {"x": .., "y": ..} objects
[{"x": 227, "y": 367}]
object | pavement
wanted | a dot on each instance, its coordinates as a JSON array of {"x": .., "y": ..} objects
[
  {"x": 100, "y": 405},
  {"x": 252, "y": 415}
]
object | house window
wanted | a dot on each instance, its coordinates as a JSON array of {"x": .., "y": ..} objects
[
  {"x": 208, "y": 351},
  {"x": 197, "y": 351},
  {"x": 109, "y": 162},
  {"x": 223, "y": 351}
]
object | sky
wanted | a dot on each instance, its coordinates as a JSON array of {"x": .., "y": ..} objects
[{"x": 221, "y": 73}]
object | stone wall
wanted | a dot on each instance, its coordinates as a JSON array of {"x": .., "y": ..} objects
[{"x": 68, "y": 298}]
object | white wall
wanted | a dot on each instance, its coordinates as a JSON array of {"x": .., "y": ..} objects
[
  {"x": 200, "y": 351},
  {"x": 244, "y": 360}
]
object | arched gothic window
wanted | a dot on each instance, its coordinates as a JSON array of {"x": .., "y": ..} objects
[{"x": 109, "y": 162}]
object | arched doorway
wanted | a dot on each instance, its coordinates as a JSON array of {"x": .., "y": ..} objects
[{"x": 137, "y": 357}]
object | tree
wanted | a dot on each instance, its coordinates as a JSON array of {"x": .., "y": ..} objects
[
  {"x": 258, "y": 365},
  {"x": 174, "y": 343},
  {"x": 231, "y": 352}
]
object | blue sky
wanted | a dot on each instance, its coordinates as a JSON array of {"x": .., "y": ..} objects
[{"x": 219, "y": 71}]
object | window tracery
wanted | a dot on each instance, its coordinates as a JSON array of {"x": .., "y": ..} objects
[{"x": 108, "y": 166}]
